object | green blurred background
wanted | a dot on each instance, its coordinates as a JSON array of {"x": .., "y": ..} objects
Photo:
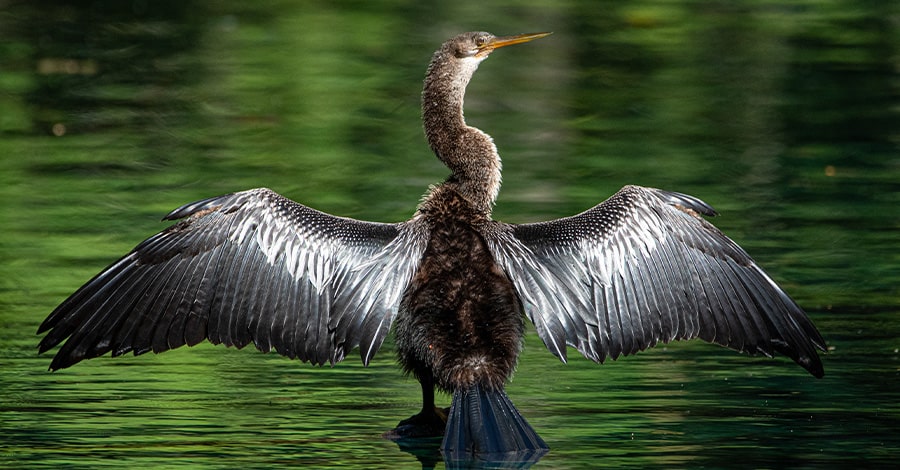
[{"x": 785, "y": 116}]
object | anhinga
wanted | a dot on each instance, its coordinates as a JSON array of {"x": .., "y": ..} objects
[{"x": 643, "y": 267}]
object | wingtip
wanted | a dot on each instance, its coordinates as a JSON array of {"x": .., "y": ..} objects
[
  {"x": 811, "y": 362},
  {"x": 815, "y": 368},
  {"x": 57, "y": 363},
  {"x": 817, "y": 372},
  {"x": 46, "y": 343}
]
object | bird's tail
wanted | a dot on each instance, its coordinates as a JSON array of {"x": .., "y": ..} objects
[{"x": 484, "y": 423}]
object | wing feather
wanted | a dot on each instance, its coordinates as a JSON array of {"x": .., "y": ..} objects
[
  {"x": 644, "y": 267},
  {"x": 249, "y": 267}
]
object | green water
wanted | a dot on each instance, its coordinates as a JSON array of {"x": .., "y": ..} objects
[{"x": 783, "y": 116}]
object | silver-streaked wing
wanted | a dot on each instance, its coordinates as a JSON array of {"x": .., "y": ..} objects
[
  {"x": 246, "y": 267},
  {"x": 644, "y": 267}
]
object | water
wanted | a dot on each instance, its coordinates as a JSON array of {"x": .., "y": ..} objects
[{"x": 782, "y": 116}]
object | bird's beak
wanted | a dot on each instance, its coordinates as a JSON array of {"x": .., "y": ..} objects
[{"x": 504, "y": 41}]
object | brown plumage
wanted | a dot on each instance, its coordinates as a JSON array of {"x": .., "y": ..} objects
[
  {"x": 460, "y": 321},
  {"x": 641, "y": 268}
]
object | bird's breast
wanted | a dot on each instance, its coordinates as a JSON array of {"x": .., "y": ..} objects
[{"x": 460, "y": 319}]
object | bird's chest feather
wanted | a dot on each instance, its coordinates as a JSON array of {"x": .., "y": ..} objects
[
  {"x": 460, "y": 318},
  {"x": 456, "y": 268}
]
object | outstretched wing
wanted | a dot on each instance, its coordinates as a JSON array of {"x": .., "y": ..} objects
[
  {"x": 644, "y": 267},
  {"x": 249, "y": 266}
]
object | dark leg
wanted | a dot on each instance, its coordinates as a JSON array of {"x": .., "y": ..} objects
[
  {"x": 430, "y": 422},
  {"x": 428, "y": 396}
]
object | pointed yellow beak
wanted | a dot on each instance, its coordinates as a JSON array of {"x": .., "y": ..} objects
[{"x": 504, "y": 41}]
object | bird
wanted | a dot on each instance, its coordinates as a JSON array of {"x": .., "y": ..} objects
[{"x": 454, "y": 286}]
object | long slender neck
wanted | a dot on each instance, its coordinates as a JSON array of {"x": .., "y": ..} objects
[{"x": 469, "y": 153}]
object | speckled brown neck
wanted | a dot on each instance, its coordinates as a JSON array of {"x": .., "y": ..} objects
[{"x": 468, "y": 152}]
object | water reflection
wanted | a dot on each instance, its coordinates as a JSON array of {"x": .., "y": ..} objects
[{"x": 783, "y": 116}]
